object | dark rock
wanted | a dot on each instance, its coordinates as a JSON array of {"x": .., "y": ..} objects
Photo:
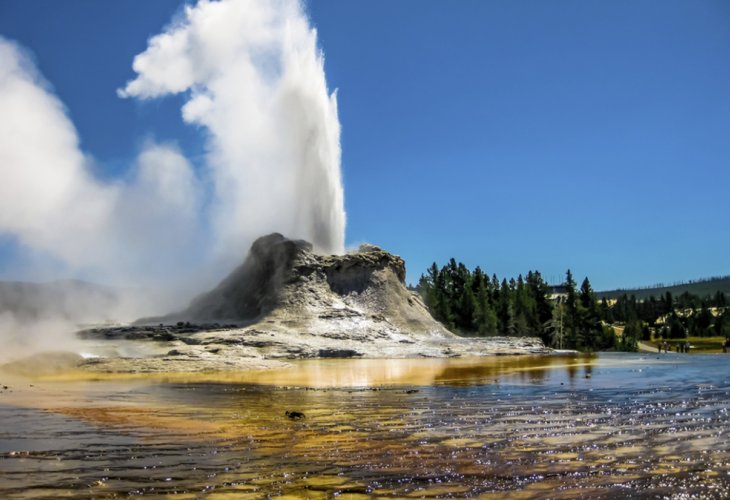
[
  {"x": 339, "y": 314},
  {"x": 294, "y": 415},
  {"x": 338, "y": 353},
  {"x": 252, "y": 288}
]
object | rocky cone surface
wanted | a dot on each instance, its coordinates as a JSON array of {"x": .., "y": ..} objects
[{"x": 285, "y": 301}]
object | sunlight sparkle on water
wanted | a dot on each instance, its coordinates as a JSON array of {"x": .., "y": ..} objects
[{"x": 515, "y": 427}]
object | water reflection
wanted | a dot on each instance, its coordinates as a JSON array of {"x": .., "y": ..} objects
[
  {"x": 361, "y": 373},
  {"x": 637, "y": 426},
  {"x": 532, "y": 369}
]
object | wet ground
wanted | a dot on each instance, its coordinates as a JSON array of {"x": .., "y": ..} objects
[{"x": 614, "y": 426}]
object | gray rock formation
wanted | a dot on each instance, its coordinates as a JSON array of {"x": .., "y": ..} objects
[
  {"x": 283, "y": 281},
  {"x": 285, "y": 301}
]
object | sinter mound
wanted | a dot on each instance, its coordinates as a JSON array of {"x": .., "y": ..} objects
[
  {"x": 285, "y": 301},
  {"x": 282, "y": 280}
]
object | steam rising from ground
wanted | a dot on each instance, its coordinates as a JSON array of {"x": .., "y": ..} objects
[{"x": 254, "y": 83}]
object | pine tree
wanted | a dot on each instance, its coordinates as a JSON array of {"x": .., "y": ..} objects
[
  {"x": 629, "y": 338},
  {"x": 675, "y": 329},
  {"x": 505, "y": 310},
  {"x": 467, "y": 308},
  {"x": 722, "y": 324},
  {"x": 555, "y": 327},
  {"x": 701, "y": 323},
  {"x": 589, "y": 324},
  {"x": 485, "y": 318},
  {"x": 571, "y": 319},
  {"x": 606, "y": 311},
  {"x": 539, "y": 291},
  {"x": 427, "y": 288},
  {"x": 719, "y": 299},
  {"x": 443, "y": 300}
]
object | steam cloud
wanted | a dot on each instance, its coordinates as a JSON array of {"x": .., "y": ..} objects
[{"x": 254, "y": 82}]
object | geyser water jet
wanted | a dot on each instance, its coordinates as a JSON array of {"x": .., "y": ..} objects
[{"x": 254, "y": 84}]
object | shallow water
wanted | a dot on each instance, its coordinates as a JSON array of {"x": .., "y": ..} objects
[{"x": 614, "y": 425}]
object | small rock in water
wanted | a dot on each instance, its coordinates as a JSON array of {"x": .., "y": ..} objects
[{"x": 294, "y": 415}]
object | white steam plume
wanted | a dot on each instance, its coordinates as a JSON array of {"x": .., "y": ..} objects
[
  {"x": 254, "y": 83},
  {"x": 53, "y": 206}
]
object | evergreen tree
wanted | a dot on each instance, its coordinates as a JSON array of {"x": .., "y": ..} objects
[
  {"x": 722, "y": 324},
  {"x": 555, "y": 328},
  {"x": 571, "y": 318},
  {"x": 720, "y": 300},
  {"x": 467, "y": 310},
  {"x": 543, "y": 312},
  {"x": 701, "y": 323},
  {"x": 485, "y": 317},
  {"x": 443, "y": 299},
  {"x": 606, "y": 311},
  {"x": 675, "y": 328},
  {"x": 629, "y": 338},
  {"x": 505, "y": 310},
  {"x": 427, "y": 288},
  {"x": 522, "y": 308},
  {"x": 589, "y": 326},
  {"x": 494, "y": 288}
]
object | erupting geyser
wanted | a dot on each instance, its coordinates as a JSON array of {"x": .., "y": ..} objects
[
  {"x": 256, "y": 83},
  {"x": 253, "y": 82}
]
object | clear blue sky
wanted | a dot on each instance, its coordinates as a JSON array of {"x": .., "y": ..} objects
[{"x": 513, "y": 135}]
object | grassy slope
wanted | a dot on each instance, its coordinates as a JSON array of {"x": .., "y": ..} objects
[{"x": 701, "y": 288}]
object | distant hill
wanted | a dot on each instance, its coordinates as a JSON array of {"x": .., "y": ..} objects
[{"x": 701, "y": 288}]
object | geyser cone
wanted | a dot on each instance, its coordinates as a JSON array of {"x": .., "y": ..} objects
[
  {"x": 286, "y": 301},
  {"x": 284, "y": 279}
]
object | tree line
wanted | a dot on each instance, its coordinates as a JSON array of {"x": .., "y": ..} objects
[
  {"x": 686, "y": 315},
  {"x": 469, "y": 302}
]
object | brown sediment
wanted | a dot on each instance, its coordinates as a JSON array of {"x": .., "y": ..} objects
[
  {"x": 158, "y": 419},
  {"x": 440, "y": 441},
  {"x": 324, "y": 373}
]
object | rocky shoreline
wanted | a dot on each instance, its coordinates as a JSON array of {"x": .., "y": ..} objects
[{"x": 214, "y": 347}]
